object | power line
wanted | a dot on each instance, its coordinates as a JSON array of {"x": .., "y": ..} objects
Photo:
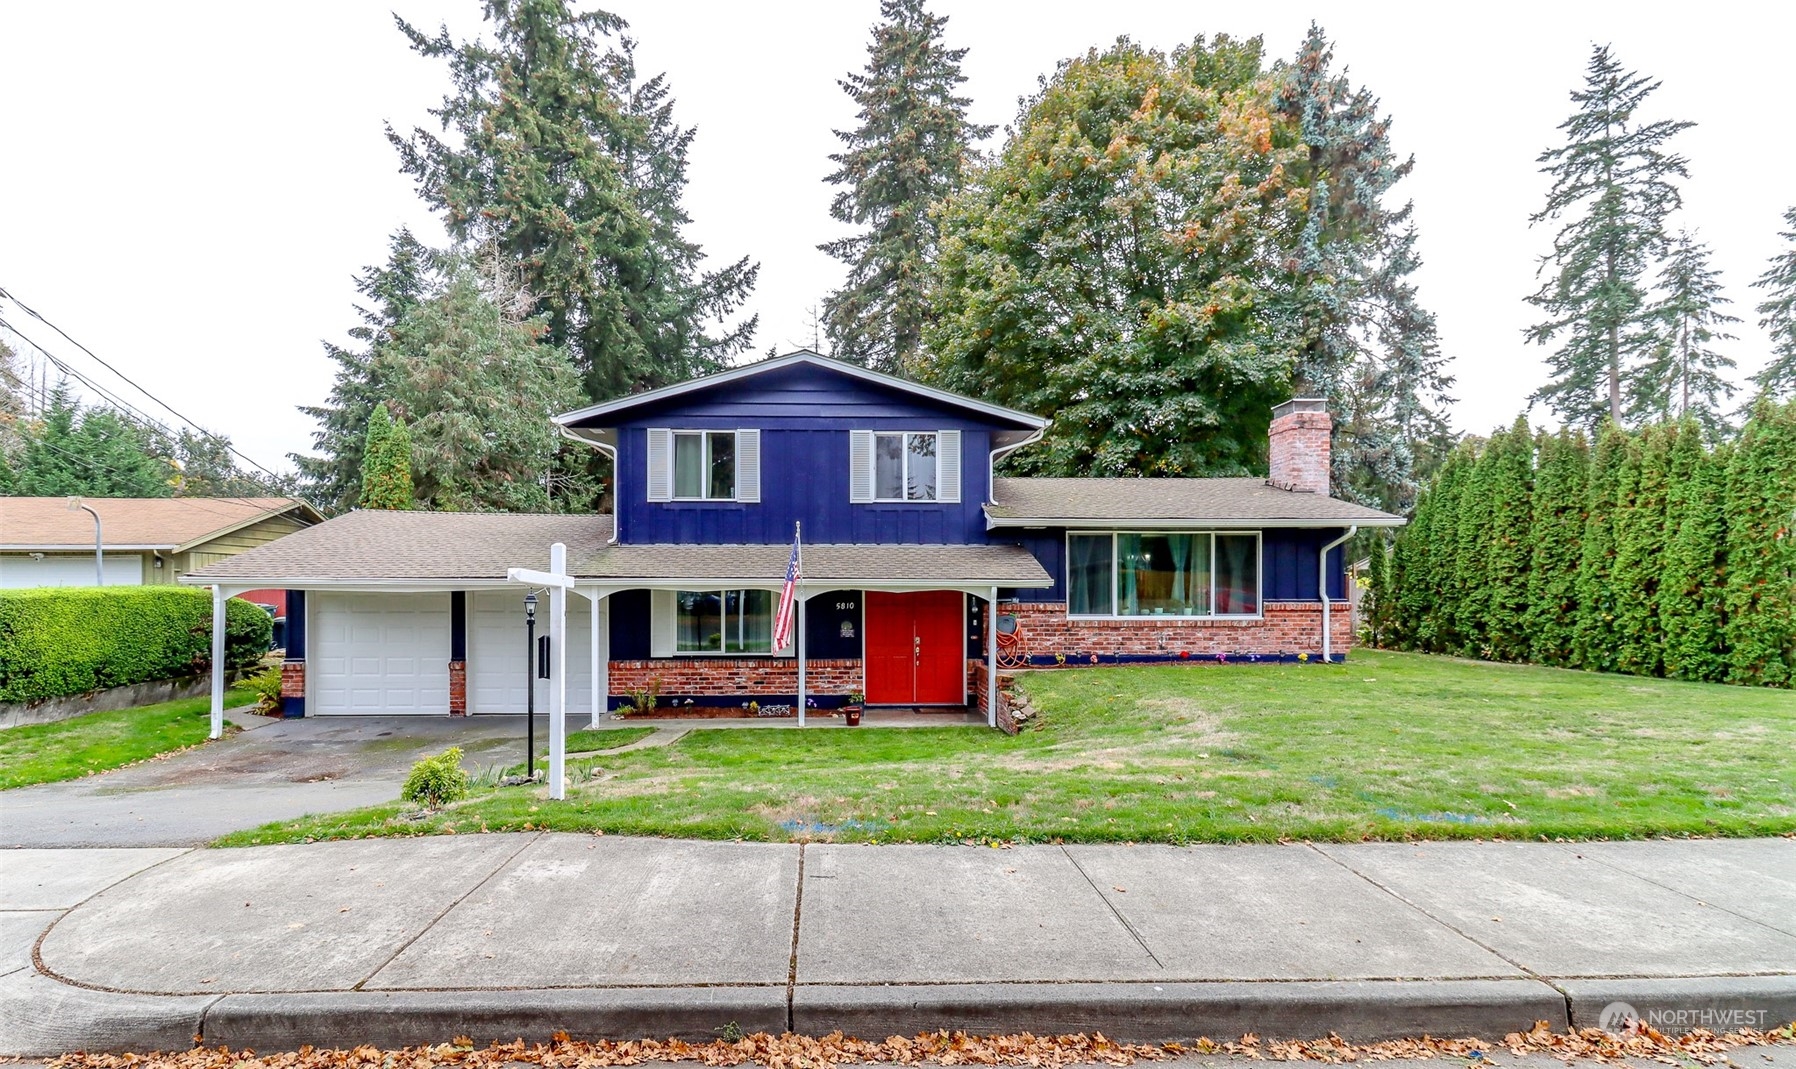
[{"x": 33, "y": 313}]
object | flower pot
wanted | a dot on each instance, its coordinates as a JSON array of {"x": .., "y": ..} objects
[{"x": 853, "y": 715}]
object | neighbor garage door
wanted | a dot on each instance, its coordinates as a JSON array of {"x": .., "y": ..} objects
[
  {"x": 379, "y": 653},
  {"x": 497, "y": 654}
]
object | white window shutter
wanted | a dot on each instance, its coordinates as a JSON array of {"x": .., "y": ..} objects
[
  {"x": 663, "y": 618},
  {"x": 947, "y": 466},
  {"x": 660, "y": 475},
  {"x": 860, "y": 466},
  {"x": 748, "y": 466}
]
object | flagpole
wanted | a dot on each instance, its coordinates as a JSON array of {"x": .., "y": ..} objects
[{"x": 798, "y": 616}]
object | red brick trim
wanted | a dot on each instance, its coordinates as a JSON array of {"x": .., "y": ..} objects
[
  {"x": 458, "y": 688},
  {"x": 293, "y": 679},
  {"x": 748, "y": 677},
  {"x": 1284, "y": 627}
]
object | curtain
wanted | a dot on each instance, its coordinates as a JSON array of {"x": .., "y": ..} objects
[
  {"x": 1088, "y": 575},
  {"x": 1237, "y": 575}
]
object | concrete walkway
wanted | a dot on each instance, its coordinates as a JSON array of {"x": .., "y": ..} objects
[{"x": 496, "y": 936}]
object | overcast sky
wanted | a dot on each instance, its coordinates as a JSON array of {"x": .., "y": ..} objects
[{"x": 189, "y": 188}]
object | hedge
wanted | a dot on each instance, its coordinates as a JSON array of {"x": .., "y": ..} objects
[{"x": 71, "y": 640}]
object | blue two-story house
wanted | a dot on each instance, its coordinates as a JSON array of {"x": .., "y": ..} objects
[{"x": 911, "y": 549}]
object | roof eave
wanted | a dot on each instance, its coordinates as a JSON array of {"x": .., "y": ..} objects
[
  {"x": 311, "y": 514},
  {"x": 1184, "y": 523}
]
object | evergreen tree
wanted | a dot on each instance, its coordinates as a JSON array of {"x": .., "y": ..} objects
[
  {"x": 14, "y": 413},
  {"x": 908, "y": 152},
  {"x": 1640, "y": 553},
  {"x": 1561, "y": 488},
  {"x": 1612, "y": 187},
  {"x": 1594, "y": 637},
  {"x": 1422, "y": 564},
  {"x": 1691, "y": 585},
  {"x": 1761, "y": 549},
  {"x": 1508, "y": 551},
  {"x": 89, "y": 452},
  {"x": 1117, "y": 266},
  {"x": 1376, "y": 606},
  {"x": 411, "y": 274},
  {"x": 1683, "y": 378},
  {"x": 386, "y": 463},
  {"x": 1778, "y": 316},
  {"x": 1470, "y": 590},
  {"x": 574, "y": 169}
]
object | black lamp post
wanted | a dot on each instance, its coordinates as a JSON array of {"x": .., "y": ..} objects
[{"x": 530, "y": 685}]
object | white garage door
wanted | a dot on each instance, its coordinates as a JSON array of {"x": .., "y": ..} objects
[
  {"x": 19, "y": 570},
  {"x": 379, "y": 653},
  {"x": 497, "y": 655}
]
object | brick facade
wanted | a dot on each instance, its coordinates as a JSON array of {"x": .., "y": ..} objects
[
  {"x": 737, "y": 679},
  {"x": 293, "y": 687},
  {"x": 1299, "y": 448},
  {"x": 458, "y": 688},
  {"x": 1285, "y": 630}
]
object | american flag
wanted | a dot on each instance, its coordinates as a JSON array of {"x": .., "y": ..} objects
[{"x": 782, "y": 619}]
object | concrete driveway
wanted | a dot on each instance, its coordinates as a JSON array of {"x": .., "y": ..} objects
[{"x": 278, "y": 770}]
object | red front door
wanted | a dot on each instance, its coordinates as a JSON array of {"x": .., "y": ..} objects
[{"x": 916, "y": 648}]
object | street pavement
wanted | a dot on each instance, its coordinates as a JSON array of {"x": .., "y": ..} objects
[{"x": 497, "y": 936}]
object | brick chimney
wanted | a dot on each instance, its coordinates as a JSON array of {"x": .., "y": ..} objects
[{"x": 1300, "y": 429}]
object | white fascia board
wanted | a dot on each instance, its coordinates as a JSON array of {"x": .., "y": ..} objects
[
  {"x": 790, "y": 359},
  {"x": 87, "y": 547},
  {"x": 818, "y": 586},
  {"x": 1147, "y": 523},
  {"x": 370, "y": 586}
]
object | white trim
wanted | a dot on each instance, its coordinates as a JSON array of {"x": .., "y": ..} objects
[
  {"x": 789, "y": 360},
  {"x": 904, "y": 438},
  {"x": 704, "y": 435},
  {"x": 992, "y": 456},
  {"x": 1066, "y": 565},
  {"x": 350, "y": 586},
  {"x": 1217, "y": 523},
  {"x": 84, "y": 547}
]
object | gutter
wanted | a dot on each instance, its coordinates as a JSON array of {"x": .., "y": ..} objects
[
  {"x": 1322, "y": 589},
  {"x": 994, "y": 455},
  {"x": 616, "y": 472},
  {"x": 1149, "y": 523}
]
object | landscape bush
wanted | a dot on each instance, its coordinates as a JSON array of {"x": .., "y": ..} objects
[
  {"x": 60, "y": 641},
  {"x": 266, "y": 686},
  {"x": 1657, "y": 552},
  {"x": 436, "y": 781}
]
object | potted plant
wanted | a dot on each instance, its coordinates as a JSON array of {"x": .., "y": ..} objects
[{"x": 852, "y": 710}]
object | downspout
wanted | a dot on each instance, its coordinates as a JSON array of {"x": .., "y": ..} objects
[
  {"x": 610, "y": 451},
  {"x": 993, "y": 456},
  {"x": 1322, "y": 589}
]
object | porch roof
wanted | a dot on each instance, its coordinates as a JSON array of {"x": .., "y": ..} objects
[
  {"x": 1221, "y": 502},
  {"x": 855, "y": 565}
]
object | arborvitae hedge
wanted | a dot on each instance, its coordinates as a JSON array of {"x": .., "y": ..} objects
[
  {"x": 71, "y": 640},
  {"x": 1653, "y": 553}
]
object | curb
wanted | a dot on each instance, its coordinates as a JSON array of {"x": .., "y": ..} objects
[
  {"x": 1718, "y": 1003},
  {"x": 41, "y": 1017}
]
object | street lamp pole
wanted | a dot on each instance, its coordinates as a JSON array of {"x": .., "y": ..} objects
[
  {"x": 99, "y": 550},
  {"x": 530, "y": 685}
]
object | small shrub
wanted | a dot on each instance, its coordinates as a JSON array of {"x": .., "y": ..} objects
[
  {"x": 436, "y": 781},
  {"x": 266, "y": 685}
]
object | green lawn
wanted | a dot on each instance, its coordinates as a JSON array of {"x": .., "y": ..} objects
[
  {"x": 1389, "y": 746},
  {"x": 69, "y": 749},
  {"x": 604, "y": 738}
]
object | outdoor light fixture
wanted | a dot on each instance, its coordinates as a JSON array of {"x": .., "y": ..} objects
[{"x": 75, "y": 505}]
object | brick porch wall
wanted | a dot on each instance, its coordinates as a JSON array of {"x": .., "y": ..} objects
[
  {"x": 293, "y": 688},
  {"x": 458, "y": 688},
  {"x": 761, "y": 678},
  {"x": 976, "y": 694},
  {"x": 1286, "y": 627}
]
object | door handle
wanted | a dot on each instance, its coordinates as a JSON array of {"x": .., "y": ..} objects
[{"x": 916, "y": 649}]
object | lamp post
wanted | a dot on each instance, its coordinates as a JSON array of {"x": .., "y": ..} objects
[
  {"x": 530, "y": 685},
  {"x": 75, "y": 505}
]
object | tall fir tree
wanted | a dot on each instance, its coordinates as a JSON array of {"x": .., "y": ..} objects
[
  {"x": 912, "y": 144},
  {"x": 1684, "y": 375},
  {"x": 386, "y": 463},
  {"x": 1640, "y": 553},
  {"x": 1761, "y": 548},
  {"x": 1777, "y": 316},
  {"x": 1612, "y": 190},
  {"x": 1422, "y": 566},
  {"x": 1594, "y": 637},
  {"x": 573, "y": 168},
  {"x": 1508, "y": 549},
  {"x": 1470, "y": 588},
  {"x": 1379, "y": 611},
  {"x": 1556, "y": 532},
  {"x": 90, "y": 452},
  {"x": 1692, "y": 603}
]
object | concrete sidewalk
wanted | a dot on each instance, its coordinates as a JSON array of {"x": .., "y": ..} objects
[{"x": 495, "y": 936}]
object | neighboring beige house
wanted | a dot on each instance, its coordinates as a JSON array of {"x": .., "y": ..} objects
[{"x": 146, "y": 539}]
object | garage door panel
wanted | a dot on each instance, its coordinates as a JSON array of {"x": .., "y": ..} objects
[
  {"x": 380, "y": 653},
  {"x": 498, "y": 653}
]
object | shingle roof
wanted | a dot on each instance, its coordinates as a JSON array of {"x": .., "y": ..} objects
[
  {"x": 35, "y": 523},
  {"x": 415, "y": 545},
  {"x": 1243, "y": 502},
  {"x": 1009, "y": 566},
  {"x": 424, "y": 546}
]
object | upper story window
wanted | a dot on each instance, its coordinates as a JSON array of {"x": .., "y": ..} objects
[
  {"x": 1162, "y": 574},
  {"x": 704, "y": 465},
  {"x": 904, "y": 467},
  {"x": 693, "y": 465},
  {"x": 910, "y": 466}
]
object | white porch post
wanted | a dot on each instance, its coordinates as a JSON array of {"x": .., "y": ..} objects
[
  {"x": 798, "y": 611},
  {"x": 557, "y": 673},
  {"x": 991, "y": 660},
  {"x": 218, "y": 661},
  {"x": 601, "y": 665}
]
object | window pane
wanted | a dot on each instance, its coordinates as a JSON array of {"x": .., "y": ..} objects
[
  {"x": 723, "y": 466},
  {"x": 700, "y": 622},
  {"x": 888, "y": 467},
  {"x": 751, "y": 622},
  {"x": 1088, "y": 575},
  {"x": 1237, "y": 574},
  {"x": 1163, "y": 574},
  {"x": 921, "y": 476},
  {"x": 689, "y": 465}
]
